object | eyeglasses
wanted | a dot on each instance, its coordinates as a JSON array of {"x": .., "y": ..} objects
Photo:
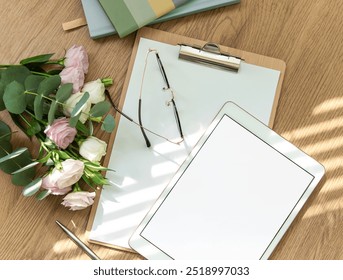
[{"x": 166, "y": 89}]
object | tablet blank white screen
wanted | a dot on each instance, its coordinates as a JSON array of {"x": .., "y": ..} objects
[{"x": 230, "y": 201}]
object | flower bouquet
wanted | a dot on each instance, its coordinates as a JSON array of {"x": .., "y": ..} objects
[{"x": 49, "y": 100}]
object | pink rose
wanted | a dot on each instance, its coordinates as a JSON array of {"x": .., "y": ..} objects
[
  {"x": 73, "y": 75},
  {"x": 77, "y": 57},
  {"x": 60, "y": 179},
  {"x": 49, "y": 183},
  {"x": 61, "y": 133},
  {"x": 78, "y": 200}
]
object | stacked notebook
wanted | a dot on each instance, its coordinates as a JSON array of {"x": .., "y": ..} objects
[{"x": 108, "y": 17}]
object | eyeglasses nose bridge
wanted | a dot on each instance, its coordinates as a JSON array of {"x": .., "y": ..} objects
[{"x": 170, "y": 90}]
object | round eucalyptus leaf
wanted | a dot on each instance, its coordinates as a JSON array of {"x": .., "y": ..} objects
[
  {"x": 64, "y": 92},
  {"x": 32, "y": 82},
  {"x": 49, "y": 85},
  {"x": 31, "y": 85},
  {"x": 15, "y": 98},
  {"x": 15, "y": 73},
  {"x": 100, "y": 109},
  {"x": 32, "y": 187},
  {"x": 108, "y": 124}
]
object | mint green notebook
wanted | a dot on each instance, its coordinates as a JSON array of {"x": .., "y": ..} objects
[
  {"x": 99, "y": 25},
  {"x": 129, "y": 15}
]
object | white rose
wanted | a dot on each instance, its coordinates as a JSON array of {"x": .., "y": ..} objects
[
  {"x": 71, "y": 172},
  {"x": 93, "y": 148},
  {"x": 72, "y": 101},
  {"x": 78, "y": 200},
  {"x": 96, "y": 90}
]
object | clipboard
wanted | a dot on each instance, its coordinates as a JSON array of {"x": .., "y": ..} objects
[{"x": 141, "y": 174}]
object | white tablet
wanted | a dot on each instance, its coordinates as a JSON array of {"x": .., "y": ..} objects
[{"x": 234, "y": 196}]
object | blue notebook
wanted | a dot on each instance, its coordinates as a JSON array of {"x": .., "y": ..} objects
[{"x": 99, "y": 24}]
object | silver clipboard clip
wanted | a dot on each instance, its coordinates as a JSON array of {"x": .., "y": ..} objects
[{"x": 210, "y": 54}]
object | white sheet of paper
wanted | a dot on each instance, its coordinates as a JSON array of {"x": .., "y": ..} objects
[{"x": 142, "y": 173}]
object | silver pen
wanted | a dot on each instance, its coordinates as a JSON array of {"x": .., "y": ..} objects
[{"x": 78, "y": 242}]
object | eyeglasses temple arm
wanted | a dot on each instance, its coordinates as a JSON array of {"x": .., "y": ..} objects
[
  {"x": 177, "y": 118},
  {"x": 140, "y": 123},
  {"x": 162, "y": 69}
]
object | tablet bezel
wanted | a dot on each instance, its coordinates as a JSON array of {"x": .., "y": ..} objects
[{"x": 260, "y": 130}]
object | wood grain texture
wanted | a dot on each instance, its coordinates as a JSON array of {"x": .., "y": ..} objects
[{"x": 305, "y": 34}]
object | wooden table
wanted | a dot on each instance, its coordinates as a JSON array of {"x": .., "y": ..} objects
[{"x": 307, "y": 35}]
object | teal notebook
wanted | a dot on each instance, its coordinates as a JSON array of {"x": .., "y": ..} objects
[{"x": 99, "y": 25}]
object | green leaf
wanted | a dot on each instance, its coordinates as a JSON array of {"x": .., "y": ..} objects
[
  {"x": 38, "y": 106},
  {"x": 31, "y": 85},
  {"x": 52, "y": 111},
  {"x": 5, "y": 130},
  {"x": 15, "y": 98},
  {"x": 15, "y": 73},
  {"x": 45, "y": 158},
  {"x": 5, "y": 149},
  {"x": 17, "y": 120},
  {"x": 32, "y": 187},
  {"x": 100, "y": 109},
  {"x": 23, "y": 178},
  {"x": 80, "y": 105},
  {"x": 49, "y": 85},
  {"x": 40, "y": 59},
  {"x": 14, "y": 154},
  {"x": 34, "y": 128},
  {"x": 16, "y": 163},
  {"x": 64, "y": 92},
  {"x": 88, "y": 182},
  {"x": 32, "y": 82},
  {"x": 74, "y": 120},
  {"x": 54, "y": 71},
  {"x": 108, "y": 124},
  {"x": 91, "y": 128},
  {"x": 32, "y": 164},
  {"x": 5, "y": 137},
  {"x": 2, "y": 91},
  {"x": 93, "y": 166},
  {"x": 43, "y": 194},
  {"x": 83, "y": 129},
  {"x": 63, "y": 155}
]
